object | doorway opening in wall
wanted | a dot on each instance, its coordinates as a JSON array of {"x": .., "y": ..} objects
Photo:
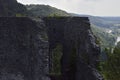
[{"x": 57, "y": 53}]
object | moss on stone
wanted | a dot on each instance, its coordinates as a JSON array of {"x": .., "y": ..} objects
[{"x": 56, "y": 59}]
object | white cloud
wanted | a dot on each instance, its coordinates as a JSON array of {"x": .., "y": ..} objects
[{"x": 92, "y": 7}]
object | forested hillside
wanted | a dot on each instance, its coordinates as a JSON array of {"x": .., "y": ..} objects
[
  {"x": 105, "y": 39},
  {"x": 111, "y": 67},
  {"x": 45, "y": 10},
  {"x": 106, "y": 29}
]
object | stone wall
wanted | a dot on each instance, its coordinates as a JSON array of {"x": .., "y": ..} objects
[
  {"x": 80, "y": 52},
  {"x": 26, "y": 48},
  {"x": 23, "y": 53}
]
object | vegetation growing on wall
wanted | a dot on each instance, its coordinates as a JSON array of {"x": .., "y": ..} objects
[{"x": 56, "y": 59}]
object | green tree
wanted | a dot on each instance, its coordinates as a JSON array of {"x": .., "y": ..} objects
[{"x": 111, "y": 67}]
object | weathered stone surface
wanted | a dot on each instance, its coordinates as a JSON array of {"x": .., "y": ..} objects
[
  {"x": 24, "y": 48},
  {"x": 80, "y": 52},
  {"x": 10, "y": 8},
  {"x": 23, "y": 53}
]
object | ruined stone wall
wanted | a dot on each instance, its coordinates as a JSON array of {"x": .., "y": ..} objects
[
  {"x": 80, "y": 52},
  {"x": 26, "y": 54},
  {"x": 23, "y": 53}
]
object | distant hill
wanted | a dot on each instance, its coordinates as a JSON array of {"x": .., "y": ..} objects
[
  {"x": 45, "y": 10},
  {"x": 105, "y": 22},
  {"x": 105, "y": 38},
  {"x": 11, "y": 8},
  {"x": 106, "y": 29}
]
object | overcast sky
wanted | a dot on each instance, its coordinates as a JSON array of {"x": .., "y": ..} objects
[{"x": 91, "y": 7}]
